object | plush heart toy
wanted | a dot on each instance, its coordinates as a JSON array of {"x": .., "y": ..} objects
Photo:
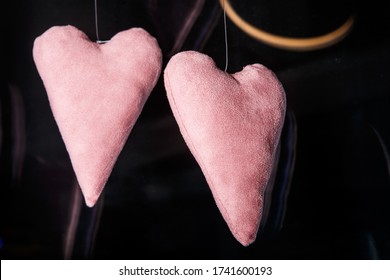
[
  {"x": 232, "y": 125},
  {"x": 96, "y": 93}
]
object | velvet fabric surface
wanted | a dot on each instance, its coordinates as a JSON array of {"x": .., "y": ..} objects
[
  {"x": 232, "y": 125},
  {"x": 96, "y": 93}
]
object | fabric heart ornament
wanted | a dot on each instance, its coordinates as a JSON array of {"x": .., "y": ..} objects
[
  {"x": 96, "y": 93},
  {"x": 232, "y": 125}
]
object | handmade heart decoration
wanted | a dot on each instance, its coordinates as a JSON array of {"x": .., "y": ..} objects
[
  {"x": 96, "y": 93},
  {"x": 232, "y": 126}
]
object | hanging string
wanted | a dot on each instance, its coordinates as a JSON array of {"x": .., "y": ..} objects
[
  {"x": 226, "y": 39},
  {"x": 96, "y": 23},
  {"x": 97, "y": 26}
]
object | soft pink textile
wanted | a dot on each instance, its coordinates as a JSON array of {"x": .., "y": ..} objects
[
  {"x": 232, "y": 125},
  {"x": 96, "y": 93}
]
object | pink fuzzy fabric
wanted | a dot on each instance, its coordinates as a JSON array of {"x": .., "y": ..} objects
[
  {"x": 232, "y": 125},
  {"x": 96, "y": 93}
]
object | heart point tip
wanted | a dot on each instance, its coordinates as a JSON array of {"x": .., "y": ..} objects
[
  {"x": 246, "y": 241},
  {"x": 90, "y": 202}
]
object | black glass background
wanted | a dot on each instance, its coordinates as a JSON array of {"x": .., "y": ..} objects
[{"x": 156, "y": 204}]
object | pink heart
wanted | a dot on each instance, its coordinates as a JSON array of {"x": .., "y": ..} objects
[
  {"x": 96, "y": 93},
  {"x": 232, "y": 125}
]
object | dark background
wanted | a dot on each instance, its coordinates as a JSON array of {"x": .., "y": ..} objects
[{"x": 156, "y": 204}]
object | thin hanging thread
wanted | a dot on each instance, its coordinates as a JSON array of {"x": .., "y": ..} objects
[
  {"x": 97, "y": 26},
  {"x": 226, "y": 39},
  {"x": 96, "y": 23}
]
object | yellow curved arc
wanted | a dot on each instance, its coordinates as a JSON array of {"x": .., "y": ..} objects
[{"x": 289, "y": 43}]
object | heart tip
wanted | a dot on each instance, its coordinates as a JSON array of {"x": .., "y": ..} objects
[
  {"x": 90, "y": 197},
  {"x": 90, "y": 202},
  {"x": 244, "y": 237},
  {"x": 246, "y": 241}
]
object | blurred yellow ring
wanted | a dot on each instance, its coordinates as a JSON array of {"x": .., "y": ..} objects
[{"x": 289, "y": 43}]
